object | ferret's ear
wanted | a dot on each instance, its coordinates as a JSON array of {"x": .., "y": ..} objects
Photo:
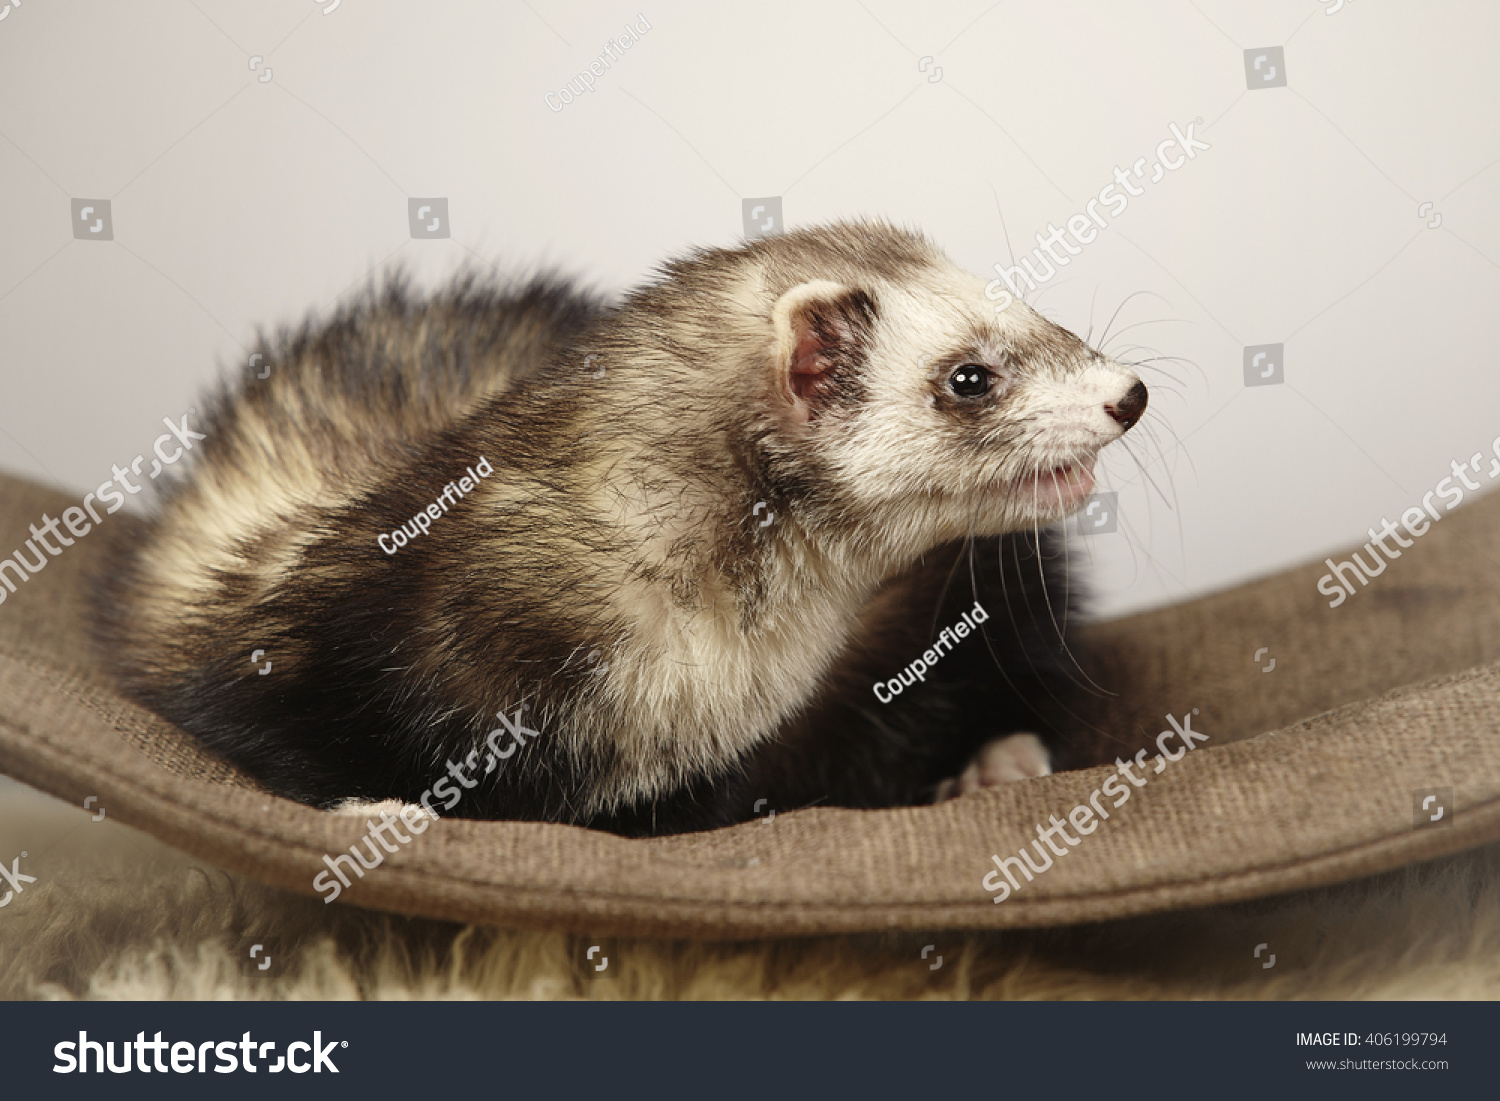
[{"x": 823, "y": 335}]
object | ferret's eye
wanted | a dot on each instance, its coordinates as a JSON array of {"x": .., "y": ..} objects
[{"x": 969, "y": 381}]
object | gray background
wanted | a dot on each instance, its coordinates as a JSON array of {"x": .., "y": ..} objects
[{"x": 237, "y": 202}]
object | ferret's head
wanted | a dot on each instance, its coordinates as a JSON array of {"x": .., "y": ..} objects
[{"x": 900, "y": 398}]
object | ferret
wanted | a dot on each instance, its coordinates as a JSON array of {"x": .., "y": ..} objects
[{"x": 512, "y": 550}]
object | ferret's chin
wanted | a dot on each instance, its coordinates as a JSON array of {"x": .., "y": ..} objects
[
  {"x": 1050, "y": 494},
  {"x": 1063, "y": 488}
]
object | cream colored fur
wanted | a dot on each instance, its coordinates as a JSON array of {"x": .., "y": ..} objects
[{"x": 116, "y": 915}]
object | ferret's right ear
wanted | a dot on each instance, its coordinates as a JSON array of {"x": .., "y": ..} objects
[{"x": 823, "y": 334}]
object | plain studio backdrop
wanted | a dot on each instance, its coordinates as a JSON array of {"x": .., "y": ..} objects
[{"x": 248, "y": 162}]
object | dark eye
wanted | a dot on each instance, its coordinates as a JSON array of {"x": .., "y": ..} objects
[{"x": 969, "y": 381}]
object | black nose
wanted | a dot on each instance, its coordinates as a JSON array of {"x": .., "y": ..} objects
[{"x": 1128, "y": 409}]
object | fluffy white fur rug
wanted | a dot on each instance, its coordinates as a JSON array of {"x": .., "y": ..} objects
[{"x": 115, "y": 914}]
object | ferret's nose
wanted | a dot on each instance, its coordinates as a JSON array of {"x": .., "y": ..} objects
[{"x": 1128, "y": 409}]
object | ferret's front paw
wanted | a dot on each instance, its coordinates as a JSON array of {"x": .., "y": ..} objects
[
  {"x": 366, "y": 808},
  {"x": 999, "y": 761}
]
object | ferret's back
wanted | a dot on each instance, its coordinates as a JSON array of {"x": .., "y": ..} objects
[{"x": 344, "y": 402}]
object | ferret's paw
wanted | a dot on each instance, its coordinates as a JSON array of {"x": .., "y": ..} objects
[
  {"x": 999, "y": 761},
  {"x": 372, "y": 808}
]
